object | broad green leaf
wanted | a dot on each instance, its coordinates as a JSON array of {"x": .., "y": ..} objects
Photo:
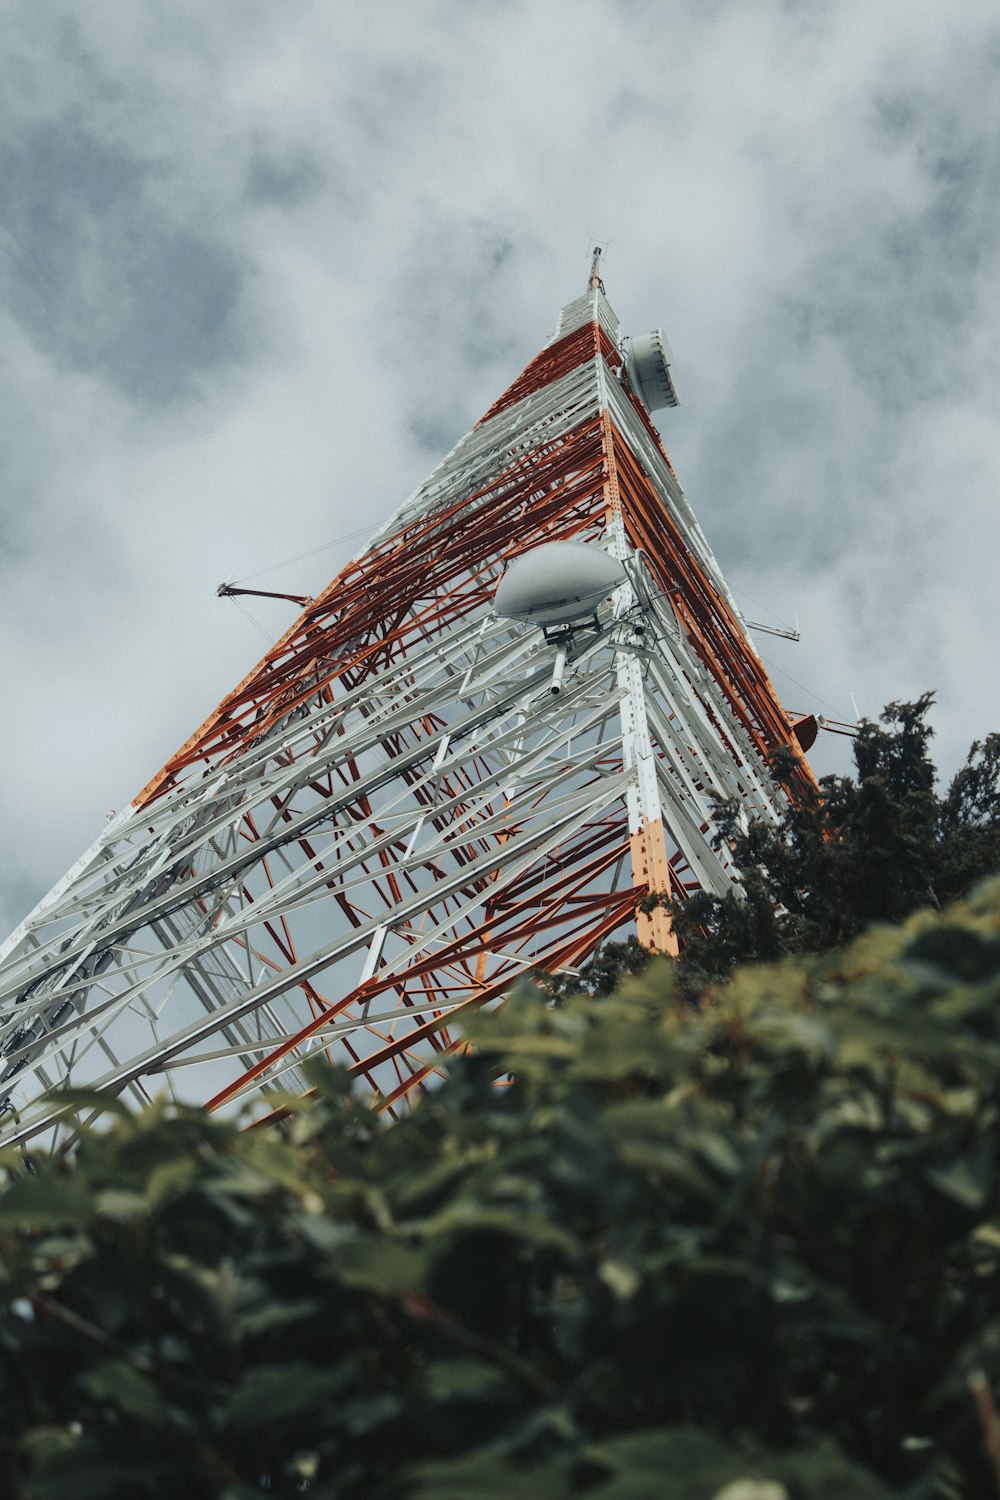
[
  {"x": 525, "y": 1048},
  {"x": 467, "y": 1215},
  {"x": 966, "y": 1182},
  {"x": 171, "y": 1180},
  {"x": 70, "y": 1464},
  {"x": 445, "y": 1379},
  {"x": 120, "y": 1204},
  {"x": 379, "y": 1265},
  {"x": 273, "y": 1394},
  {"x": 752, "y": 1489},
  {"x": 45, "y": 1201},
  {"x": 126, "y": 1388},
  {"x": 623, "y": 1281},
  {"x": 89, "y": 1100},
  {"x": 623, "y": 1051},
  {"x": 361, "y": 1414},
  {"x": 797, "y": 1033},
  {"x": 82, "y": 1472},
  {"x": 487, "y": 1475},
  {"x": 673, "y": 1164},
  {"x": 281, "y": 1165},
  {"x": 681, "y": 1463},
  {"x": 432, "y": 1183},
  {"x": 269, "y": 1314},
  {"x": 823, "y": 1472},
  {"x": 987, "y": 1236}
]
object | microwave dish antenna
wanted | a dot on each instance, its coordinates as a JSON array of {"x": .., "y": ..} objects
[{"x": 650, "y": 366}]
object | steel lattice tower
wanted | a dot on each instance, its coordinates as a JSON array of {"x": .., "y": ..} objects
[{"x": 392, "y": 818}]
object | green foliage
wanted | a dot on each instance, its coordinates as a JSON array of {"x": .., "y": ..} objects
[
  {"x": 870, "y": 849},
  {"x": 601, "y": 974},
  {"x": 748, "y": 1251}
]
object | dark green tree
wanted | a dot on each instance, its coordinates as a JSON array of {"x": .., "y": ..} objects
[
  {"x": 872, "y": 848},
  {"x": 749, "y": 1251}
]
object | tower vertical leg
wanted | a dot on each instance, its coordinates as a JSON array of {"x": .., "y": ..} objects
[
  {"x": 649, "y": 864},
  {"x": 408, "y": 774},
  {"x": 647, "y": 841}
]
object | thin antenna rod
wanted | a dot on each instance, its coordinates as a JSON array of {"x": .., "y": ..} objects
[
  {"x": 227, "y": 591},
  {"x": 595, "y": 283}
]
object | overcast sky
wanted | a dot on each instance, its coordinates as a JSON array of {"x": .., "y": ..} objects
[{"x": 261, "y": 265}]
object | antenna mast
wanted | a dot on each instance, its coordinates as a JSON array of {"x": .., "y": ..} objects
[{"x": 417, "y": 795}]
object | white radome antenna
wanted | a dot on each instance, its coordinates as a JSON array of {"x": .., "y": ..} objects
[
  {"x": 556, "y": 586},
  {"x": 558, "y": 583}
]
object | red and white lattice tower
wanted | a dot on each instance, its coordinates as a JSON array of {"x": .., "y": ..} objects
[{"x": 393, "y": 817}]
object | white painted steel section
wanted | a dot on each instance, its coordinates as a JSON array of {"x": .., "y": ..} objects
[
  {"x": 181, "y": 942},
  {"x": 592, "y": 305}
]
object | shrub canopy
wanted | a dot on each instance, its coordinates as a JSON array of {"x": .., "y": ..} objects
[
  {"x": 628, "y": 1249},
  {"x": 869, "y": 848}
]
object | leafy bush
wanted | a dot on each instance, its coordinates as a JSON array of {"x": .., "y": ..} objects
[
  {"x": 743, "y": 1251},
  {"x": 872, "y": 848}
]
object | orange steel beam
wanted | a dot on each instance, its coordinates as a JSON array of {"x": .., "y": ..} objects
[
  {"x": 555, "y": 959},
  {"x": 438, "y": 568},
  {"x": 404, "y": 567},
  {"x": 496, "y": 929},
  {"x": 398, "y": 567},
  {"x": 648, "y": 848},
  {"x": 712, "y": 628},
  {"x": 555, "y": 362}
]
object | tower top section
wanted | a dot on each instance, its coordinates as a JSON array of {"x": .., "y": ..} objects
[
  {"x": 499, "y": 735},
  {"x": 648, "y": 360},
  {"x": 592, "y": 307}
]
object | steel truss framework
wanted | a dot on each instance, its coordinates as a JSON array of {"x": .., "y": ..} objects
[{"x": 391, "y": 817}]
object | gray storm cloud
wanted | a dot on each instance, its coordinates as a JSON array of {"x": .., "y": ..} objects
[{"x": 99, "y": 278}]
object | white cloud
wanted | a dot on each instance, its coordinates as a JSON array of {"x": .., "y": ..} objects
[{"x": 383, "y": 209}]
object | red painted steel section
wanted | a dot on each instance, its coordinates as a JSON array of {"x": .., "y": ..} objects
[
  {"x": 431, "y": 572},
  {"x": 555, "y": 362},
  {"x": 374, "y": 609}
]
